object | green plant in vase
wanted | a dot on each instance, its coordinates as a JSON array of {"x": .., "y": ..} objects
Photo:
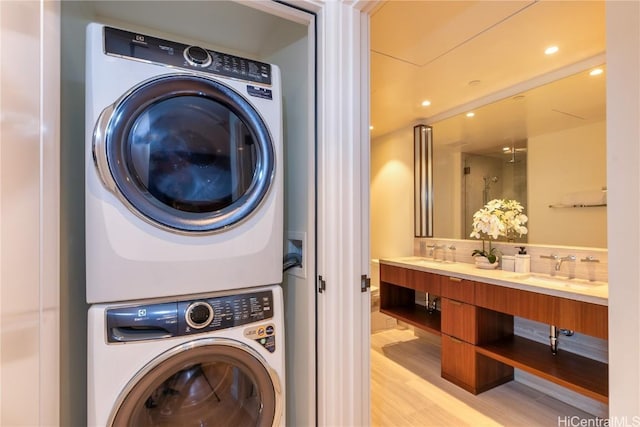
[{"x": 490, "y": 255}]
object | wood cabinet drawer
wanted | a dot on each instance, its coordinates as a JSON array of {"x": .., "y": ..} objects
[
  {"x": 459, "y": 320},
  {"x": 458, "y": 362},
  {"x": 463, "y": 366},
  {"x": 587, "y": 318},
  {"x": 396, "y": 275},
  {"x": 428, "y": 282},
  {"x": 408, "y": 278},
  {"x": 458, "y": 289}
]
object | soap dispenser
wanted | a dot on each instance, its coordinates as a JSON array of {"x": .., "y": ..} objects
[{"x": 523, "y": 261}]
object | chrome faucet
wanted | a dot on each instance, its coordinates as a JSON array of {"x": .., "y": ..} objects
[
  {"x": 559, "y": 260},
  {"x": 566, "y": 258},
  {"x": 433, "y": 250},
  {"x": 452, "y": 250},
  {"x": 552, "y": 256}
]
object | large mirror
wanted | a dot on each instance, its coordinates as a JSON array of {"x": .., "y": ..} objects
[
  {"x": 539, "y": 130},
  {"x": 545, "y": 147}
]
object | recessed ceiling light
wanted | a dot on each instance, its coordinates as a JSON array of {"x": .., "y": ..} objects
[
  {"x": 471, "y": 114},
  {"x": 426, "y": 103},
  {"x": 551, "y": 50},
  {"x": 596, "y": 72},
  {"x": 370, "y": 127}
]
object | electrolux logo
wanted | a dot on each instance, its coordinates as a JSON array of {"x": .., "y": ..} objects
[{"x": 576, "y": 421}]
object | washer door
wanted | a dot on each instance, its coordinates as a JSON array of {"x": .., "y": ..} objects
[
  {"x": 185, "y": 153},
  {"x": 206, "y": 382}
]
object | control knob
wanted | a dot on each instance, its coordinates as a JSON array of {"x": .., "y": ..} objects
[
  {"x": 197, "y": 56},
  {"x": 199, "y": 315}
]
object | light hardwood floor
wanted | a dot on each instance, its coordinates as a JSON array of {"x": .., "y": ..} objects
[{"x": 407, "y": 390}]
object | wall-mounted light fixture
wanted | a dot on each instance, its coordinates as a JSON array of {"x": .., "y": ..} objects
[{"x": 423, "y": 180}]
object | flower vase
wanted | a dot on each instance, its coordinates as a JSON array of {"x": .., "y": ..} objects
[{"x": 483, "y": 263}]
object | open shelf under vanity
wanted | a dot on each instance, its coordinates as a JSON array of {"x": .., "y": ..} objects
[{"x": 476, "y": 323}]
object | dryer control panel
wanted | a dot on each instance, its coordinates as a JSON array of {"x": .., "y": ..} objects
[
  {"x": 138, "y": 46},
  {"x": 171, "y": 319}
]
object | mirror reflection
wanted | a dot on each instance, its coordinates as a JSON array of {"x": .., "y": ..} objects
[
  {"x": 433, "y": 62},
  {"x": 485, "y": 178},
  {"x": 545, "y": 147}
]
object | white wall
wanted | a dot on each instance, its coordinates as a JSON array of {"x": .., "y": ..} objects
[
  {"x": 392, "y": 194},
  {"x": 297, "y": 65},
  {"x": 623, "y": 178},
  {"x": 29, "y": 330},
  {"x": 73, "y": 321},
  {"x": 561, "y": 163},
  {"x": 391, "y": 189}
]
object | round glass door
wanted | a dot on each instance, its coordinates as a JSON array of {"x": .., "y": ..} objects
[
  {"x": 203, "y": 383},
  {"x": 186, "y": 153}
]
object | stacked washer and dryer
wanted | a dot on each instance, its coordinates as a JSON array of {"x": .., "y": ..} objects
[{"x": 184, "y": 234}]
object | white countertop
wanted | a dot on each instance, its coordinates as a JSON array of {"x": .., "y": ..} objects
[{"x": 575, "y": 289}]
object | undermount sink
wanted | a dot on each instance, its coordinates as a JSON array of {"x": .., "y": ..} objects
[
  {"x": 560, "y": 282},
  {"x": 426, "y": 262}
]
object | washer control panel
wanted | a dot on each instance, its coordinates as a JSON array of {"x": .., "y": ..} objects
[
  {"x": 170, "y": 319},
  {"x": 126, "y": 44},
  {"x": 199, "y": 315},
  {"x": 197, "y": 56}
]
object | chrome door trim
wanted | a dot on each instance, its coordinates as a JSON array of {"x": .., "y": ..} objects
[
  {"x": 191, "y": 345},
  {"x": 187, "y": 223}
]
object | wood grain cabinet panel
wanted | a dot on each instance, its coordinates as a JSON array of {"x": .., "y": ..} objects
[
  {"x": 427, "y": 282},
  {"x": 472, "y": 371},
  {"x": 458, "y": 289},
  {"x": 479, "y": 349},
  {"x": 398, "y": 288},
  {"x": 458, "y": 362},
  {"x": 459, "y": 320},
  {"x": 397, "y": 275},
  {"x": 583, "y": 317},
  {"x": 578, "y": 373},
  {"x": 413, "y": 279}
]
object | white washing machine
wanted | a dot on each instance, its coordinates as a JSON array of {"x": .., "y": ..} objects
[
  {"x": 213, "y": 360},
  {"x": 183, "y": 168}
]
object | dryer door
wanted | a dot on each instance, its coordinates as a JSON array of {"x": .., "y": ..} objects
[
  {"x": 206, "y": 382},
  {"x": 185, "y": 153}
]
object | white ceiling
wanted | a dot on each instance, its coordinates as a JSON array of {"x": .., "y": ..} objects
[{"x": 434, "y": 49}]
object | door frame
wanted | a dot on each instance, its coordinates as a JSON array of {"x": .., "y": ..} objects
[{"x": 343, "y": 163}]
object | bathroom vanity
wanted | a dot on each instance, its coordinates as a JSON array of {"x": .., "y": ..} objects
[{"x": 475, "y": 321}]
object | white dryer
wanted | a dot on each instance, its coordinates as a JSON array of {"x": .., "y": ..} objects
[
  {"x": 183, "y": 168},
  {"x": 213, "y": 360}
]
